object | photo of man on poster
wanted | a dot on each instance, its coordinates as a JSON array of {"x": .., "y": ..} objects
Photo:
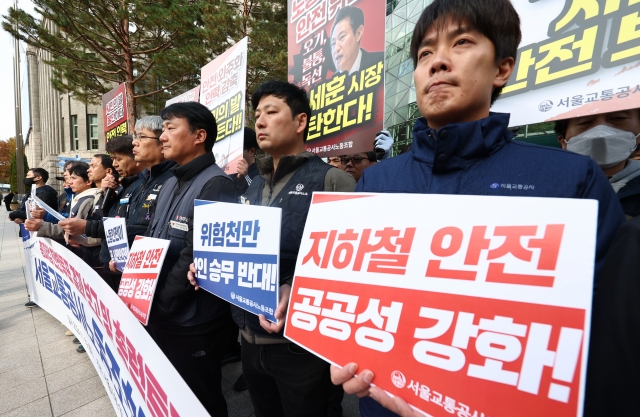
[{"x": 346, "y": 34}]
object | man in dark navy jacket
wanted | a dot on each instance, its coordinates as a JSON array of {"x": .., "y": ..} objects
[{"x": 464, "y": 52}]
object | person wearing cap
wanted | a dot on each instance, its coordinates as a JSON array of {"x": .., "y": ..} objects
[{"x": 610, "y": 139}]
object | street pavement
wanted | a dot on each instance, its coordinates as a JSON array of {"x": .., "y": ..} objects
[{"x": 42, "y": 375}]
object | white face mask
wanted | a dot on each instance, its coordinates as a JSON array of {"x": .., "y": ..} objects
[{"x": 606, "y": 145}]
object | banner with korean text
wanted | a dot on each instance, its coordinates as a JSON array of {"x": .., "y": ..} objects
[
  {"x": 140, "y": 275},
  {"x": 223, "y": 90},
  {"x": 469, "y": 305},
  {"x": 576, "y": 58},
  {"x": 236, "y": 250},
  {"x": 191, "y": 95},
  {"x": 115, "y": 230},
  {"x": 138, "y": 378},
  {"x": 114, "y": 112},
  {"x": 336, "y": 53}
]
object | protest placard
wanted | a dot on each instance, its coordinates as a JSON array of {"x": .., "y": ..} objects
[
  {"x": 236, "y": 250},
  {"x": 336, "y": 53},
  {"x": 576, "y": 58},
  {"x": 114, "y": 111},
  {"x": 223, "y": 90},
  {"x": 140, "y": 275},
  {"x": 137, "y": 376},
  {"x": 191, "y": 95},
  {"x": 469, "y": 304},
  {"x": 115, "y": 230}
]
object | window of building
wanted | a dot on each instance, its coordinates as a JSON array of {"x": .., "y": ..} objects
[
  {"x": 74, "y": 133},
  {"x": 93, "y": 131}
]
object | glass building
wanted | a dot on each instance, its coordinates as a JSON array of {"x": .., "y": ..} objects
[{"x": 401, "y": 110}]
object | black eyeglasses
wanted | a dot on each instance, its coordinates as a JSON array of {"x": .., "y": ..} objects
[
  {"x": 139, "y": 137},
  {"x": 355, "y": 159}
]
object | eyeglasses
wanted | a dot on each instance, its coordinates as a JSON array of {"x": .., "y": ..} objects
[
  {"x": 139, "y": 137},
  {"x": 355, "y": 159}
]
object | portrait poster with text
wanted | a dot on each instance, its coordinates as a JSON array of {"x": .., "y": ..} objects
[
  {"x": 576, "y": 58},
  {"x": 336, "y": 53},
  {"x": 472, "y": 305},
  {"x": 223, "y": 88}
]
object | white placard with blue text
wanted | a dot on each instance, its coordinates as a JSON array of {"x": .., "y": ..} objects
[
  {"x": 236, "y": 250},
  {"x": 115, "y": 229}
]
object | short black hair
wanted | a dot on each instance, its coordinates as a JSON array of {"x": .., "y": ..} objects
[
  {"x": 371, "y": 156},
  {"x": 40, "y": 172},
  {"x": 80, "y": 170},
  {"x": 122, "y": 145},
  {"x": 197, "y": 116},
  {"x": 354, "y": 14},
  {"x": 250, "y": 141},
  {"x": 497, "y": 20},
  {"x": 295, "y": 97},
  {"x": 561, "y": 127}
]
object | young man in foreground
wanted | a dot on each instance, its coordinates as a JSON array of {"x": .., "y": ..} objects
[{"x": 464, "y": 52}]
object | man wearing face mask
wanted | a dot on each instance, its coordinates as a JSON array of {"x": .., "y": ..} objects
[
  {"x": 37, "y": 177},
  {"x": 610, "y": 139}
]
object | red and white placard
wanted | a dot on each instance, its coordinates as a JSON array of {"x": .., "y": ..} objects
[
  {"x": 462, "y": 305},
  {"x": 140, "y": 275}
]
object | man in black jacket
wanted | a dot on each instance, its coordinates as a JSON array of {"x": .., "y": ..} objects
[
  {"x": 193, "y": 329},
  {"x": 37, "y": 177},
  {"x": 7, "y": 200}
]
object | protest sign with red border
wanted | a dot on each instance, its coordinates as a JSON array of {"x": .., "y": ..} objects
[
  {"x": 140, "y": 275},
  {"x": 457, "y": 307},
  {"x": 342, "y": 69},
  {"x": 114, "y": 112},
  {"x": 191, "y": 95}
]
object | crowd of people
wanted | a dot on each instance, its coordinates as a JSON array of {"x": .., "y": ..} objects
[{"x": 464, "y": 52}]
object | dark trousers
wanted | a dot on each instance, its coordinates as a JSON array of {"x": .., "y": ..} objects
[
  {"x": 285, "y": 380},
  {"x": 196, "y": 352}
]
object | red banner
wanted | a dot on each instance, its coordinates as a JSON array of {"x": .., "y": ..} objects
[{"x": 114, "y": 112}]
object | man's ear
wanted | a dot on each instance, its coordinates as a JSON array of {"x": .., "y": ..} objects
[
  {"x": 504, "y": 70},
  {"x": 201, "y": 136},
  {"x": 302, "y": 122},
  {"x": 562, "y": 142},
  {"x": 359, "y": 33}
]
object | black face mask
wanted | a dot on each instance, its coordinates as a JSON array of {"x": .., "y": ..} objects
[{"x": 28, "y": 182}]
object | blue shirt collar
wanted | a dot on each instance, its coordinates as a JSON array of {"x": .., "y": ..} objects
[{"x": 458, "y": 145}]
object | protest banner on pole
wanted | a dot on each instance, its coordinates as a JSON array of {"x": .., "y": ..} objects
[
  {"x": 27, "y": 244},
  {"x": 114, "y": 112},
  {"x": 575, "y": 59},
  {"x": 191, "y": 95},
  {"x": 454, "y": 307},
  {"x": 237, "y": 255},
  {"x": 223, "y": 90},
  {"x": 115, "y": 230},
  {"x": 140, "y": 275},
  {"x": 336, "y": 53},
  {"x": 137, "y": 376}
]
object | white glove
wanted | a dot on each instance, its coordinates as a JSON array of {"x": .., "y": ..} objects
[{"x": 383, "y": 144}]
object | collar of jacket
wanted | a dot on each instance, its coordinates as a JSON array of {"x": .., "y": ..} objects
[
  {"x": 192, "y": 168},
  {"x": 95, "y": 192},
  {"x": 456, "y": 146},
  {"x": 159, "y": 169},
  {"x": 287, "y": 164},
  {"x": 127, "y": 181}
]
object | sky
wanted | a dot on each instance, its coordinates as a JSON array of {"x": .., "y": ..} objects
[{"x": 7, "y": 106}]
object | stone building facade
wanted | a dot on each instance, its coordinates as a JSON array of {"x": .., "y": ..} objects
[{"x": 60, "y": 124}]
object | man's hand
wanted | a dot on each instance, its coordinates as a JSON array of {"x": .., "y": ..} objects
[
  {"x": 281, "y": 311},
  {"x": 242, "y": 168},
  {"x": 361, "y": 386},
  {"x": 38, "y": 213},
  {"x": 109, "y": 182},
  {"x": 192, "y": 276},
  {"x": 32, "y": 225},
  {"x": 112, "y": 267},
  {"x": 74, "y": 227},
  {"x": 18, "y": 221},
  {"x": 383, "y": 144}
]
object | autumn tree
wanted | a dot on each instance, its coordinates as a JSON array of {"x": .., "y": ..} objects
[{"x": 7, "y": 151}]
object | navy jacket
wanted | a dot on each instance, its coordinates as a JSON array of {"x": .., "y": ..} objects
[
  {"x": 629, "y": 197},
  {"x": 480, "y": 158}
]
